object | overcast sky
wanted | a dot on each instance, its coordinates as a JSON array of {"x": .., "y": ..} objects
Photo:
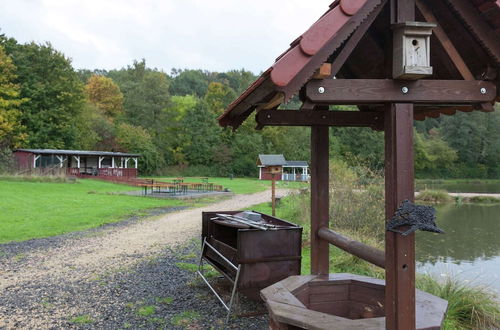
[{"x": 216, "y": 35}]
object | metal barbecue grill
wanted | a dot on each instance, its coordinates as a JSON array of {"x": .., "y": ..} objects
[{"x": 251, "y": 249}]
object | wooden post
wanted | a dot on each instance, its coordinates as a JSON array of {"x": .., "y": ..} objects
[
  {"x": 273, "y": 193},
  {"x": 399, "y": 249},
  {"x": 319, "y": 198}
]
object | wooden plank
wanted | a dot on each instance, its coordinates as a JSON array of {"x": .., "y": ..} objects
[
  {"x": 274, "y": 102},
  {"x": 328, "y": 293},
  {"x": 281, "y": 294},
  {"x": 399, "y": 249},
  {"x": 319, "y": 198},
  {"x": 365, "y": 91},
  {"x": 320, "y": 118},
  {"x": 293, "y": 283},
  {"x": 448, "y": 46}
]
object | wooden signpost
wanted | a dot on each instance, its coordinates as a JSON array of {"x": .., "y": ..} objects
[{"x": 274, "y": 170}]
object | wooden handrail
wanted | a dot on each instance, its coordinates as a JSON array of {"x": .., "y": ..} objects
[{"x": 360, "y": 250}]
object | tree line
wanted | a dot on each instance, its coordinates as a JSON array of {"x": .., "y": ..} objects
[{"x": 171, "y": 120}]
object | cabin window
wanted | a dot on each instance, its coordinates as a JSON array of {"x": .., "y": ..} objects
[
  {"x": 47, "y": 161},
  {"x": 106, "y": 162}
]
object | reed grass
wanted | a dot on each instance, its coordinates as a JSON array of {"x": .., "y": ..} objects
[
  {"x": 434, "y": 196},
  {"x": 469, "y": 306}
]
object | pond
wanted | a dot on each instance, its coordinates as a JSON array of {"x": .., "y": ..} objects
[{"x": 470, "y": 249}]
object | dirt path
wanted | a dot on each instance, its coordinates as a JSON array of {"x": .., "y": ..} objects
[
  {"x": 79, "y": 261},
  {"x": 119, "y": 247}
]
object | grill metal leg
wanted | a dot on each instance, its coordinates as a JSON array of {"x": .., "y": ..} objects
[{"x": 228, "y": 306}]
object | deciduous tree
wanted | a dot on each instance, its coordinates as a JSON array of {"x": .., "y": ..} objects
[
  {"x": 11, "y": 131},
  {"x": 103, "y": 93},
  {"x": 54, "y": 92}
]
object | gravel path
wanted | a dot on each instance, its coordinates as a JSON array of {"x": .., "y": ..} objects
[{"x": 137, "y": 274}]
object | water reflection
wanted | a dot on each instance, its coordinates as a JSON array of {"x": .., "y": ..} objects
[{"x": 470, "y": 246}]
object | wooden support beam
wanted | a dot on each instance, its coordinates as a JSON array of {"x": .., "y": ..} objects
[
  {"x": 402, "y": 11},
  {"x": 319, "y": 198},
  {"x": 365, "y": 91},
  {"x": 274, "y": 102},
  {"x": 399, "y": 249},
  {"x": 448, "y": 46},
  {"x": 320, "y": 118},
  {"x": 358, "y": 249}
]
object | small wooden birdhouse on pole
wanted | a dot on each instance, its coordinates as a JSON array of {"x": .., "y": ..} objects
[
  {"x": 412, "y": 50},
  {"x": 397, "y": 61}
]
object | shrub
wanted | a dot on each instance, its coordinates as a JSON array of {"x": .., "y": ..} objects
[
  {"x": 7, "y": 161},
  {"x": 434, "y": 196},
  {"x": 356, "y": 199}
]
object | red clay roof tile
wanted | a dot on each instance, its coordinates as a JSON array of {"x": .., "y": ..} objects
[
  {"x": 288, "y": 66},
  {"x": 351, "y": 7},
  {"x": 321, "y": 31}
]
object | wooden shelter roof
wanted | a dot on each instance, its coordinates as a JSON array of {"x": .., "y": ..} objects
[
  {"x": 79, "y": 152},
  {"x": 465, "y": 46}
]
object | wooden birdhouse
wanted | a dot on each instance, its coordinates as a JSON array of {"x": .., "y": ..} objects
[
  {"x": 411, "y": 58},
  {"x": 275, "y": 169}
]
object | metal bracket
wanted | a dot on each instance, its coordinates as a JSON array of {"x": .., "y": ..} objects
[{"x": 228, "y": 306}]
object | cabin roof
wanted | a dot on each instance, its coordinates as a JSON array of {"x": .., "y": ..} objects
[
  {"x": 473, "y": 27},
  {"x": 272, "y": 160},
  {"x": 296, "y": 163},
  {"x": 78, "y": 152}
]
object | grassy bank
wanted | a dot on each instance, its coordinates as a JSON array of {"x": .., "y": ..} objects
[
  {"x": 457, "y": 181},
  {"x": 437, "y": 196},
  {"x": 41, "y": 209}
]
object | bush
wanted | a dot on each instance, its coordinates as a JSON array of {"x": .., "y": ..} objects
[
  {"x": 356, "y": 199},
  {"x": 434, "y": 196},
  {"x": 7, "y": 162}
]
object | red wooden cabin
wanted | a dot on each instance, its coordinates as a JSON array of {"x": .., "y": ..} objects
[{"x": 76, "y": 162}]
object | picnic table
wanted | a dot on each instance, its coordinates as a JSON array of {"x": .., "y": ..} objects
[{"x": 158, "y": 187}]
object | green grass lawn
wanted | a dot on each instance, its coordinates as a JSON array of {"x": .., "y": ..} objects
[
  {"x": 34, "y": 208},
  {"x": 38, "y": 209}
]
